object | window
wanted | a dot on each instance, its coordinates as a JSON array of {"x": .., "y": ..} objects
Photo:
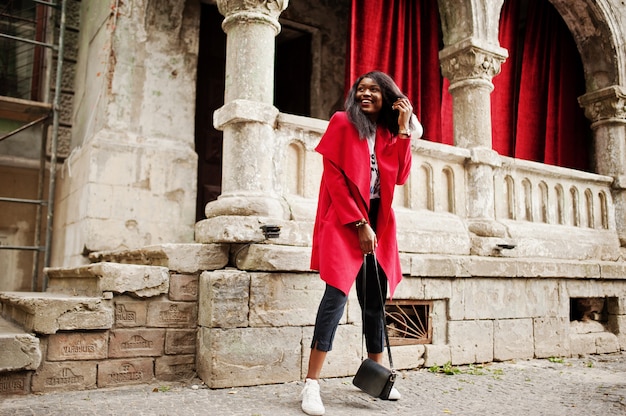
[{"x": 22, "y": 22}]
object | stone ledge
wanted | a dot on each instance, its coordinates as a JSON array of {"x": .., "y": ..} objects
[
  {"x": 432, "y": 232},
  {"x": 183, "y": 258},
  {"x": 94, "y": 279},
  {"x": 539, "y": 240},
  {"x": 272, "y": 257},
  {"x": 47, "y": 313},
  {"x": 432, "y": 265},
  {"x": 243, "y": 111},
  {"x": 245, "y": 229},
  {"x": 20, "y": 350}
]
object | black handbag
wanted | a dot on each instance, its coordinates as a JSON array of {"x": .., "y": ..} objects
[{"x": 373, "y": 378}]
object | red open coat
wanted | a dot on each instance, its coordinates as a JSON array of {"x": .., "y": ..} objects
[{"x": 345, "y": 197}]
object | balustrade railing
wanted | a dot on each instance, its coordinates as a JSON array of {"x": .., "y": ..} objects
[
  {"x": 535, "y": 192},
  {"x": 528, "y": 196}
]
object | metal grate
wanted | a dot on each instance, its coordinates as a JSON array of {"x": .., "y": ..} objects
[{"x": 409, "y": 322}]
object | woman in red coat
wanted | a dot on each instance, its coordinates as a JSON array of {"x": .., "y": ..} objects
[{"x": 366, "y": 152}]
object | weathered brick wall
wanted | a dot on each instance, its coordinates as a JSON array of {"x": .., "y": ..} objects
[
  {"x": 235, "y": 327},
  {"x": 256, "y": 327},
  {"x": 151, "y": 338}
]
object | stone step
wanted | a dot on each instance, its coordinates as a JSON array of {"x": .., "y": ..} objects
[
  {"x": 19, "y": 349},
  {"x": 99, "y": 278},
  {"x": 182, "y": 258},
  {"x": 47, "y": 313}
]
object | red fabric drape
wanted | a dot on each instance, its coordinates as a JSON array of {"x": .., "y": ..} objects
[
  {"x": 400, "y": 38},
  {"x": 550, "y": 126},
  {"x": 504, "y": 95},
  {"x": 447, "y": 124},
  {"x": 535, "y": 113}
]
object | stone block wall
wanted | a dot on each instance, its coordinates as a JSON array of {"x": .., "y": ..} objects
[
  {"x": 256, "y": 327},
  {"x": 151, "y": 338},
  {"x": 234, "y": 327}
]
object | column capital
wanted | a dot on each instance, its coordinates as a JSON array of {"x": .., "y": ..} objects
[
  {"x": 605, "y": 105},
  {"x": 471, "y": 60},
  {"x": 251, "y": 10}
]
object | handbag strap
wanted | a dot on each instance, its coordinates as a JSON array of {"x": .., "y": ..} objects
[{"x": 382, "y": 303}]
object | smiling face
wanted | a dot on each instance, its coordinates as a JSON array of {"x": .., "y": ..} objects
[{"x": 370, "y": 97}]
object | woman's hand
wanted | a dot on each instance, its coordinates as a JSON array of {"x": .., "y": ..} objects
[
  {"x": 367, "y": 239},
  {"x": 405, "y": 109}
]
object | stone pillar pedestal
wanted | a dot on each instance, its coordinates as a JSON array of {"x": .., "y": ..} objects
[
  {"x": 481, "y": 197},
  {"x": 248, "y": 118},
  {"x": 249, "y": 179},
  {"x": 470, "y": 67},
  {"x": 606, "y": 108}
]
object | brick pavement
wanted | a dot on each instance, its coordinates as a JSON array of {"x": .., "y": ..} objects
[{"x": 589, "y": 386}]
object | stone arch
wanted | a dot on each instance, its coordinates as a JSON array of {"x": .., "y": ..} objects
[
  {"x": 448, "y": 199},
  {"x": 294, "y": 168},
  {"x": 510, "y": 197},
  {"x": 560, "y": 204},
  {"x": 589, "y": 209},
  {"x": 544, "y": 202},
  {"x": 595, "y": 28},
  {"x": 575, "y": 206},
  {"x": 464, "y": 19},
  {"x": 593, "y": 23},
  {"x": 527, "y": 187},
  {"x": 428, "y": 189},
  {"x": 604, "y": 210}
]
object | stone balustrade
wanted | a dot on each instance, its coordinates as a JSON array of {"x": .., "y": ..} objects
[
  {"x": 536, "y": 192},
  {"x": 544, "y": 210},
  {"x": 499, "y": 286}
]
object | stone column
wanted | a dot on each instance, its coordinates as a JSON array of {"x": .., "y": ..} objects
[
  {"x": 248, "y": 118},
  {"x": 470, "y": 66},
  {"x": 606, "y": 108}
]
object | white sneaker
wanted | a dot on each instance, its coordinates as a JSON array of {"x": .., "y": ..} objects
[
  {"x": 311, "y": 400},
  {"x": 394, "y": 394}
]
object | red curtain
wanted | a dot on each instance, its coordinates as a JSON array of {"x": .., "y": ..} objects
[
  {"x": 535, "y": 112},
  {"x": 400, "y": 38},
  {"x": 505, "y": 94},
  {"x": 447, "y": 126}
]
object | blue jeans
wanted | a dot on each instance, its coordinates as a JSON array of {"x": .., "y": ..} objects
[
  {"x": 369, "y": 293},
  {"x": 333, "y": 304}
]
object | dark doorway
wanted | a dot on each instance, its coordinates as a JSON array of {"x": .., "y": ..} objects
[
  {"x": 209, "y": 97},
  {"x": 292, "y": 74},
  {"x": 292, "y": 93}
]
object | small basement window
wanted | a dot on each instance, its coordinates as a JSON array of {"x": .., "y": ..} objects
[
  {"x": 409, "y": 322},
  {"x": 588, "y": 309}
]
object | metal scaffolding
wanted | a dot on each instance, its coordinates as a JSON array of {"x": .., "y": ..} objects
[{"x": 32, "y": 31}]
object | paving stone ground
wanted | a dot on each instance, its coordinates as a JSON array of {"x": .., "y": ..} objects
[{"x": 589, "y": 386}]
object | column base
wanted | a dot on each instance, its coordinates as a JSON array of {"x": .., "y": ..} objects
[
  {"x": 253, "y": 204},
  {"x": 484, "y": 227}
]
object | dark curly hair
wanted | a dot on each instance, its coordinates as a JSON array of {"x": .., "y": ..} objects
[{"x": 387, "y": 117}]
